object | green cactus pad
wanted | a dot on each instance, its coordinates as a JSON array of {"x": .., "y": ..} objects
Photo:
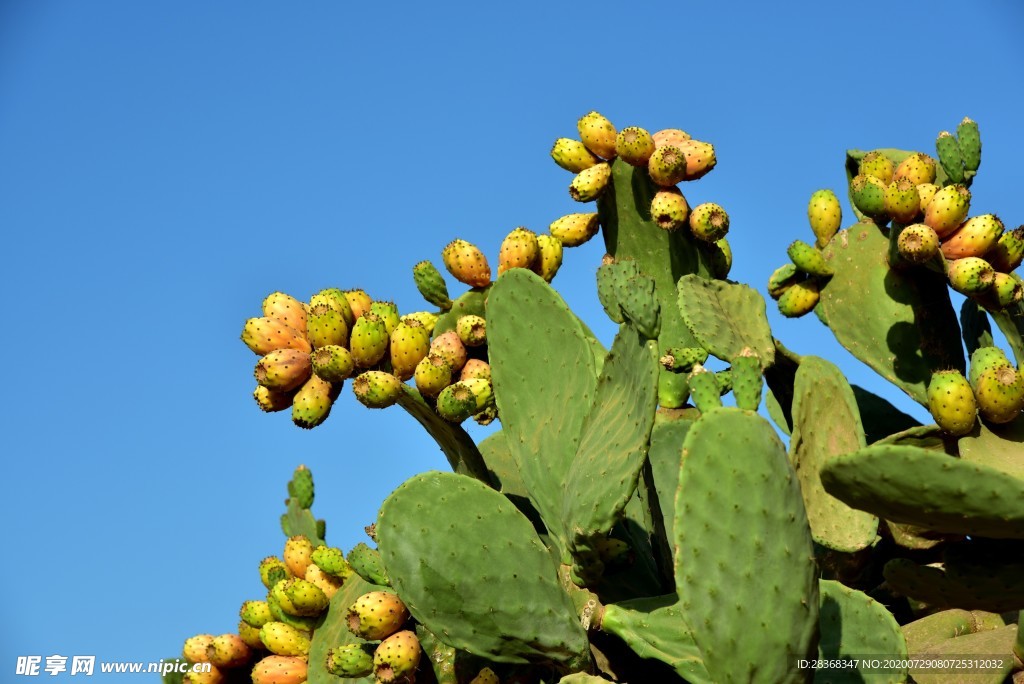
[
  {"x": 654, "y": 628},
  {"x": 440, "y": 655},
  {"x": 901, "y": 324},
  {"x": 948, "y": 150},
  {"x": 998, "y": 446},
  {"x": 505, "y": 475},
  {"x": 456, "y": 444},
  {"x": 611, "y": 280},
  {"x": 470, "y": 303},
  {"x": 298, "y": 520},
  {"x": 664, "y": 453},
  {"x": 495, "y": 596},
  {"x": 826, "y": 425},
  {"x": 1011, "y": 322},
  {"x": 854, "y": 625},
  {"x": 614, "y": 439},
  {"x": 639, "y": 304},
  {"x": 335, "y": 632},
  {"x": 907, "y": 484},
  {"x": 987, "y": 645},
  {"x": 725, "y": 317},
  {"x": 544, "y": 381},
  {"x": 947, "y": 624},
  {"x": 744, "y": 556}
]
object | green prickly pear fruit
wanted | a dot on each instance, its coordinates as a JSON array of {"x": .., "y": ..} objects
[
  {"x": 432, "y": 375},
  {"x": 301, "y": 486},
  {"x": 1006, "y": 290},
  {"x": 377, "y": 389},
  {"x": 704, "y": 389},
  {"x": 700, "y": 158},
  {"x": 902, "y": 201},
  {"x": 228, "y": 650},
  {"x": 255, "y": 613},
  {"x": 427, "y": 319},
  {"x": 572, "y": 155},
  {"x": 272, "y": 571},
  {"x": 1008, "y": 253},
  {"x": 329, "y": 584},
  {"x": 367, "y": 563},
  {"x": 808, "y": 259},
  {"x": 271, "y": 400},
  {"x": 450, "y": 348},
  {"x": 876, "y": 164},
  {"x": 387, "y": 312},
  {"x": 284, "y": 640},
  {"x": 350, "y": 660},
  {"x": 952, "y": 402},
  {"x": 598, "y": 134},
  {"x": 948, "y": 209},
  {"x": 868, "y": 195},
  {"x": 667, "y": 166},
  {"x": 549, "y": 259},
  {"x": 287, "y": 309},
  {"x": 376, "y": 615},
  {"x": 918, "y": 168},
  {"x": 298, "y": 554},
  {"x": 283, "y": 369},
  {"x": 476, "y": 369},
  {"x": 309, "y": 600},
  {"x": 333, "y": 363},
  {"x": 669, "y": 208},
  {"x": 825, "y": 215},
  {"x": 457, "y": 402},
  {"x": 670, "y": 136},
  {"x": 359, "y": 302},
  {"x": 332, "y": 561},
  {"x": 196, "y": 648},
  {"x": 312, "y": 403},
  {"x": 634, "y": 145},
  {"x": 410, "y": 342},
  {"x": 799, "y": 298},
  {"x": 975, "y": 237},
  {"x": 918, "y": 243},
  {"x": 519, "y": 249},
  {"x": 397, "y": 657},
  {"x": 986, "y": 358},
  {"x": 326, "y": 326},
  {"x": 721, "y": 258},
  {"x": 614, "y": 553},
  {"x": 466, "y": 263},
  {"x": 925, "y": 192},
  {"x": 485, "y": 676},
  {"x": 949, "y": 156},
  {"x": 264, "y": 335},
  {"x": 431, "y": 285},
  {"x": 275, "y": 669},
  {"x": 747, "y": 381},
  {"x": 369, "y": 340},
  {"x": 250, "y": 635},
  {"x": 590, "y": 183},
  {"x": 575, "y": 229},
  {"x": 472, "y": 330},
  {"x": 970, "y": 275},
  {"x": 970, "y": 144},
  {"x": 709, "y": 222},
  {"x": 683, "y": 359},
  {"x": 335, "y": 299},
  {"x": 999, "y": 392},
  {"x": 486, "y": 416},
  {"x": 781, "y": 278}
]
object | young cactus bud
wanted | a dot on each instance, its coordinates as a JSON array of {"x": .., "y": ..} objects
[
  {"x": 277, "y": 669},
  {"x": 918, "y": 168},
  {"x": 431, "y": 285},
  {"x": 255, "y": 613},
  {"x": 466, "y": 263},
  {"x": 947, "y": 209},
  {"x": 970, "y": 144},
  {"x": 721, "y": 258},
  {"x": 1008, "y": 253},
  {"x": 376, "y": 615},
  {"x": 196, "y": 648},
  {"x": 799, "y": 298},
  {"x": 397, "y": 657},
  {"x": 369, "y": 341},
  {"x": 952, "y": 402},
  {"x": 283, "y": 369},
  {"x": 549, "y": 258},
  {"x": 970, "y": 275},
  {"x": 432, "y": 375},
  {"x": 264, "y": 335},
  {"x": 670, "y": 136},
  {"x": 683, "y": 359},
  {"x": 590, "y": 183},
  {"x": 301, "y": 487},
  {"x": 387, "y": 312},
  {"x": 271, "y": 400},
  {"x": 472, "y": 330},
  {"x": 572, "y": 155},
  {"x": 825, "y": 215},
  {"x": 286, "y": 309},
  {"x": 780, "y": 279},
  {"x": 284, "y": 640},
  {"x": 709, "y": 222},
  {"x": 868, "y": 195},
  {"x": 747, "y": 381},
  {"x": 308, "y": 599},
  {"x": 669, "y": 209},
  {"x": 228, "y": 650},
  {"x": 634, "y": 145},
  {"x": 350, "y": 660},
  {"x": 272, "y": 571},
  {"x": 332, "y": 561},
  {"x": 667, "y": 166},
  {"x": 358, "y": 302},
  {"x": 333, "y": 363},
  {"x": 876, "y": 164},
  {"x": 918, "y": 243},
  {"x": 700, "y": 158},
  {"x": 902, "y": 201},
  {"x": 326, "y": 326},
  {"x": 367, "y": 563},
  {"x": 975, "y": 237},
  {"x": 949, "y": 156},
  {"x": 450, "y": 348},
  {"x": 335, "y": 299},
  {"x": 598, "y": 134},
  {"x": 999, "y": 393},
  {"x": 519, "y": 249},
  {"x": 808, "y": 259},
  {"x": 377, "y": 389},
  {"x": 575, "y": 229},
  {"x": 298, "y": 553},
  {"x": 476, "y": 369},
  {"x": 313, "y": 402},
  {"x": 704, "y": 389},
  {"x": 410, "y": 343}
]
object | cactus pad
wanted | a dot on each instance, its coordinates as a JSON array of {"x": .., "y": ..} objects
[
  {"x": 855, "y": 625},
  {"x": 726, "y": 317}
]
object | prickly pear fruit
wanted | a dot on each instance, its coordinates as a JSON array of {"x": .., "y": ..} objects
[
  {"x": 590, "y": 183},
  {"x": 286, "y": 309},
  {"x": 970, "y": 275},
  {"x": 369, "y": 340},
  {"x": 472, "y": 330},
  {"x": 326, "y": 326},
  {"x": 747, "y": 381},
  {"x": 868, "y": 195},
  {"x": 799, "y": 298},
  {"x": 1006, "y": 290},
  {"x": 549, "y": 258},
  {"x": 970, "y": 144},
  {"x": 264, "y": 335},
  {"x": 255, "y": 613},
  {"x": 450, "y": 348},
  {"x": 350, "y": 660},
  {"x": 925, "y": 192},
  {"x": 634, "y": 145},
  {"x": 949, "y": 156},
  {"x": 271, "y": 400},
  {"x": 486, "y": 416},
  {"x": 432, "y": 375},
  {"x": 431, "y": 285},
  {"x": 575, "y": 229},
  {"x": 333, "y": 363},
  {"x": 1008, "y": 253},
  {"x": 808, "y": 259},
  {"x": 709, "y": 222},
  {"x": 825, "y": 215},
  {"x": 307, "y": 598},
  {"x": 485, "y": 676},
  {"x": 999, "y": 392},
  {"x": 918, "y": 168},
  {"x": 228, "y": 650},
  {"x": 410, "y": 342},
  {"x": 332, "y": 561},
  {"x": 781, "y": 278},
  {"x": 598, "y": 134},
  {"x": 669, "y": 208},
  {"x": 457, "y": 402},
  {"x": 283, "y": 369},
  {"x": 466, "y": 263},
  {"x": 312, "y": 403},
  {"x": 975, "y": 237},
  {"x": 212, "y": 676},
  {"x": 876, "y": 164},
  {"x": 335, "y": 299},
  {"x": 367, "y": 563},
  {"x": 572, "y": 155},
  {"x": 902, "y": 201},
  {"x": 195, "y": 649},
  {"x": 301, "y": 486},
  {"x": 387, "y": 312},
  {"x": 984, "y": 359},
  {"x": 249, "y": 635},
  {"x": 377, "y": 389},
  {"x": 667, "y": 166},
  {"x": 476, "y": 368},
  {"x": 284, "y": 640},
  {"x": 951, "y": 402},
  {"x": 670, "y": 136},
  {"x": 358, "y": 301},
  {"x": 427, "y": 319},
  {"x": 614, "y": 553},
  {"x": 948, "y": 209},
  {"x": 918, "y": 243},
  {"x": 700, "y": 158},
  {"x": 298, "y": 554},
  {"x": 277, "y": 669},
  {"x": 704, "y": 389},
  {"x": 376, "y": 615},
  {"x": 683, "y": 359},
  {"x": 272, "y": 570},
  {"x": 328, "y": 584},
  {"x": 721, "y": 258},
  {"x": 519, "y": 249},
  {"x": 397, "y": 657}
]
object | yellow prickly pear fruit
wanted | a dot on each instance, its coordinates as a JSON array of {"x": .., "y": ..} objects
[
  {"x": 358, "y": 302},
  {"x": 333, "y": 363},
  {"x": 472, "y": 330},
  {"x": 952, "y": 402},
  {"x": 249, "y": 634},
  {"x": 918, "y": 243},
  {"x": 947, "y": 209},
  {"x": 466, "y": 263},
  {"x": 369, "y": 341},
  {"x": 878, "y": 165},
  {"x": 799, "y": 298},
  {"x": 321, "y": 580},
  {"x": 1008, "y": 253},
  {"x": 519, "y": 249},
  {"x": 669, "y": 209},
  {"x": 196, "y": 648},
  {"x": 376, "y": 615},
  {"x": 1000, "y": 394},
  {"x": 272, "y": 570},
  {"x": 1006, "y": 290},
  {"x": 590, "y": 183},
  {"x": 283, "y": 369},
  {"x": 228, "y": 650},
  {"x": 634, "y": 145},
  {"x": 485, "y": 676},
  {"x": 549, "y": 259},
  {"x": 427, "y": 319},
  {"x": 974, "y": 238},
  {"x": 574, "y": 230},
  {"x": 918, "y": 168},
  {"x": 298, "y": 554},
  {"x": 970, "y": 275},
  {"x": 277, "y": 669},
  {"x": 397, "y": 657},
  {"x": 902, "y": 201},
  {"x": 284, "y": 640},
  {"x": 271, "y": 400},
  {"x": 264, "y": 335},
  {"x": 925, "y": 192},
  {"x": 387, "y": 312},
  {"x": 326, "y": 326},
  {"x": 432, "y": 375},
  {"x": 312, "y": 403},
  {"x": 286, "y": 309},
  {"x": 335, "y": 299},
  {"x": 377, "y": 389},
  {"x": 700, "y": 158},
  {"x": 598, "y": 134},
  {"x": 709, "y": 222},
  {"x": 410, "y": 342},
  {"x": 825, "y": 215},
  {"x": 309, "y": 600},
  {"x": 572, "y": 155},
  {"x": 667, "y": 166},
  {"x": 670, "y": 136}
]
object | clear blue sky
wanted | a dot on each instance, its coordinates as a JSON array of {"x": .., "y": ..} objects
[{"x": 165, "y": 165}]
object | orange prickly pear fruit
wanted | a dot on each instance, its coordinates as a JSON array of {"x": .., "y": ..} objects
[
  {"x": 598, "y": 134},
  {"x": 376, "y": 615},
  {"x": 700, "y": 158},
  {"x": 670, "y": 136},
  {"x": 228, "y": 650},
  {"x": 975, "y": 237},
  {"x": 450, "y": 348},
  {"x": 298, "y": 554},
  {"x": 358, "y": 301},
  {"x": 283, "y": 369},
  {"x": 196, "y": 648},
  {"x": 286, "y": 309},
  {"x": 271, "y": 400},
  {"x": 947, "y": 209},
  {"x": 277, "y": 669},
  {"x": 475, "y": 368},
  {"x": 264, "y": 335},
  {"x": 918, "y": 168},
  {"x": 519, "y": 249},
  {"x": 466, "y": 263}
]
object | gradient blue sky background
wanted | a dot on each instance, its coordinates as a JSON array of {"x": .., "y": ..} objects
[{"x": 165, "y": 165}]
